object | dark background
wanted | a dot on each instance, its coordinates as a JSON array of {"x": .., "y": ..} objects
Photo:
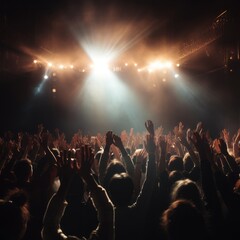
[{"x": 32, "y": 28}]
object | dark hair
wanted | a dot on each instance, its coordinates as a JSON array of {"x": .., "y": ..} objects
[
  {"x": 115, "y": 166},
  {"x": 175, "y": 163},
  {"x": 121, "y": 189},
  {"x": 23, "y": 170},
  {"x": 182, "y": 220},
  {"x": 188, "y": 189}
]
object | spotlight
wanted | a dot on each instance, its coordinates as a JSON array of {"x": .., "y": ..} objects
[
  {"x": 50, "y": 64},
  {"x": 35, "y": 61},
  {"x": 100, "y": 64},
  {"x": 45, "y": 76},
  {"x": 176, "y": 75},
  {"x": 54, "y": 90}
]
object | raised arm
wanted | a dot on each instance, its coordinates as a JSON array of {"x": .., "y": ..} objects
[
  {"x": 144, "y": 197},
  {"x": 102, "y": 202},
  {"x": 126, "y": 158},
  {"x": 57, "y": 204},
  {"x": 105, "y": 156}
]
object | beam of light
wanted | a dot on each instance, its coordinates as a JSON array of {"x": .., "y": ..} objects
[
  {"x": 105, "y": 100},
  {"x": 158, "y": 65},
  {"x": 39, "y": 88}
]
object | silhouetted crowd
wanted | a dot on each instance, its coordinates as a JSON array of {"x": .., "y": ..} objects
[{"x": 132, "y": 186}]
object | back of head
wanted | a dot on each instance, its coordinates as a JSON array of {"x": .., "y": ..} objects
[
  {"x": 175, "y": 163},
  {"x": 175, "y": 176},
  {"x": 14, "y": 216},
  {"x": 23, "y": 170},
  {"x": 182, "y": 220},
  {"x": 187, "y": 189},
  {"x": 188, "y": 162},
  {"x": 121, "y": 189},
  {"x": 114, "y": 167}
]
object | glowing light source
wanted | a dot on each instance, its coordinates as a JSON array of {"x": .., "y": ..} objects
[
  {"x": 35, "y": 61},
  {"x": 61, "y": 66},
  {"x": 176, "y": 75},
  {"x": 45, "y": 76},
  {"x": 178, "y": 65},
  {"x": 54, "y": 90},
  {"x": 100, "y": 64},
  {"x": 50, "y": 64}
]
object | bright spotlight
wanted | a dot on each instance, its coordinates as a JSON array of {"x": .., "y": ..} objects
[
  {"x": 178, "y": 65},
  {"x": 155, "y": 65},
  {"x": 71, "y": 66},
  {"x": 45, "y": 76},
  {"x": 100, "y": 64},
  {"x": 176, "y": 75},
  {"x": 54, "y": 90},
  {"x": 35, "y": 61},
  {"x": 50, "y": 64}
]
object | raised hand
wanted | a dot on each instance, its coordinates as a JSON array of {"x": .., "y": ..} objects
[
  {"x": 85, "y": 158},
  {"x": 109, "y": 138},
  {"x": 199, "y": 127},
  {"x": 117, "y": 141},
  {"x": 150, "y": 127},
  {"x": 67, "y": 167}
]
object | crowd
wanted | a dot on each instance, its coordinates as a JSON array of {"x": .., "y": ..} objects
[{"x": 151, "y": 185}]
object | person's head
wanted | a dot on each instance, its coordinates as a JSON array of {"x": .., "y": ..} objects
[
  {"x": 188, "y": 162},
  {"x": 135, "y": 156},
  {"x": 14, "y": 216},
  {"x": 114, "y": 167},
  {"x": 187, "y": 189},
  {"x": 175, "y": 176},
  {"x": 175, "y": 163},
  {"x": 23, "y": 170},
  {"x": 121, "y": 189},
  {"x": 182, "y": 220}
]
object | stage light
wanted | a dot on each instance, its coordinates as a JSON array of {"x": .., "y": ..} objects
[
  {"x": 100, "y": 64},
  {"x": 155, "y": 65},
  {"x": 178, "y": 65},
  {"x": 71, "y": 66},
  {"x": 45, "y": 76},
  {"x": 35, "y": 61},
  {"x": 50, "y": 64},
  {"x": 176, "y": 75},
  {"x": 54, "y": 90}
]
